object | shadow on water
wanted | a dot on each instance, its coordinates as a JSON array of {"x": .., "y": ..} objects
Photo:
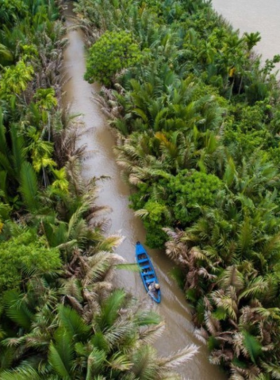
[{"x": 99, "y": 160}]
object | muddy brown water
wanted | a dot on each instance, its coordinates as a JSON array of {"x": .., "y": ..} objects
[{"x": 100, "y": 161}]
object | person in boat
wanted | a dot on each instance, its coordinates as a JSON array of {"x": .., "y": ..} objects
[{"x": 154, "y": 288}]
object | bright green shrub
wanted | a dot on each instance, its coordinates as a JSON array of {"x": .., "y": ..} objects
[
  {"x": 157, "y": 217},
  {"x": 155, "y": 237},
  {"x": 24, "y": 256},
  {"x": 113, "y": 52},
  {"x": 14, "y": 80},
  {"x": 247, "y": 130},
  {"x": 136, "y": 199},
  {"x": 246, "y": 143},
  {"x": 192, "y": 189}
]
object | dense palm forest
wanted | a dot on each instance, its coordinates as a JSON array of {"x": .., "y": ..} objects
[
  {"x": 196, "y": 116},
  {"x": 60, "y": 317}
]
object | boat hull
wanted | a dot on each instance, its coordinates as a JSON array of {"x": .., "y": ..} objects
[{"x": 147, "y": 271}]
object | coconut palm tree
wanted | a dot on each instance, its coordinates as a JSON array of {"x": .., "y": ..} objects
[
  {"x": 112, "y": 344},
  {"x": 235, "y": 297}
]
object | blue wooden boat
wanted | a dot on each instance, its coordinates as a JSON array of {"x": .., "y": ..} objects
[{"x": 147, "y": 271}]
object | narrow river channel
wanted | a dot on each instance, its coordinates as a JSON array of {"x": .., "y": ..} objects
[{"x": 100, "y": 161}]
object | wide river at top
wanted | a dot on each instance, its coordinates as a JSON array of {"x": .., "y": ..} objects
[{"x": 248, "y": 15}]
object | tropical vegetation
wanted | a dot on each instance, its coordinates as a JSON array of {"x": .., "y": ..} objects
[
  {"x": 197, "y": 129},
  {"x": 60, "y": 317}
]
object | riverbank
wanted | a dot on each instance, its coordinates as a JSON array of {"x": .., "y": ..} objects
[
  {"x": 254, "y": 16},
  {"x": 60, "y": 316},
  {"x": 99, "y": 160},
  {"x": 198, "y": 140}
]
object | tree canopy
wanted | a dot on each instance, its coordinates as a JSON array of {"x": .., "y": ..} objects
[
  {"x": 25, "y": 256},
  {"x": 113, "y": 52}
]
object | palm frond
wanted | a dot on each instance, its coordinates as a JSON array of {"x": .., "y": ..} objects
[
  {"x": 17, "y": 310},
  {"x": 180, "y": 357},
  {"x": 120, "y": 362},
  {"x": 142, "y": 213},
  {"x": 18, "y": 151},
  {"x": 99, "y": 265},
  {"x": 21, "y": 373},
  {"x": 72, "y": 322},
  {"x": 128, "y": 267},
  {"x": 272, "y": 312},
  {"x": 252, "y": 346},
  {"x": 109, "y": 243},
  {"x": 56, "y": 362},
  {"x": 255, "y": 287},
  {"x": 145, "y": 365},
  {"x": 96, "y": 361},
  {"x": 226, "y": 301},
  {"x": 152, "y": 333},
  {"x": 201, "y": 334},
  {"x": 118, "y": 333},
  {"x": 245, "y": 235},
  {"x": 64, "y": 347},
  {"x": 5, "y": 53},
  {"x": 29, "y": 186},
  {"x": 232, "y": 277},
  {"x": 146, "y": 318},
  {"x": 73, "y": 288},
  {"x": 272, "y": 369},
  {"x": 75, "y": 219},
  {"x": 110, "y": 309}
]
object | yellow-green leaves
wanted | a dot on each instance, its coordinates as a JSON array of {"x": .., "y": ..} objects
[{"x": 15, "y": 79}]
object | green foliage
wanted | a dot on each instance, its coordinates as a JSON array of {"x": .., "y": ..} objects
[
  {"x": 155, "y": 210},
  {"x": 200, "y": 146},
  {"x": 252, "y": 345},
  {"x": 22, "y": 373},
  {"x": 155, "y": 237},
  {"x": 178, "y": 275},
  {"x": 252, "y": 39},
  {"x": 5, "y": 54},
  {"x": 212, "y": 343},
  {"x": 17, "y": 310},
  {"x": 15, "y": 79},
  {"x": 11, "y": 11},
  {"x": 72, "y": 323},
  {"x": 155, "y": 217},
  {"x": 68, "y": 348},
  {"x": 61, "y": 354},
  {"x": 205, "y": 123},
  {"x": 83, "y": 329},
  {"x": 29, "y": 186},
  {"x": 5, "y": 210},
  {"x": 25, "y": 256},
  {"x": 193, "y": 189},
  {"x": 41, "y": 151},
  {"x": 113, "y": 52},
  {"x": 248, "y": 129}
]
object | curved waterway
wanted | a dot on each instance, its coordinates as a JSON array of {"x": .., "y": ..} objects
[
  {"x": 255, "y": 16},
  {"x": 100, "y": 161}
]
